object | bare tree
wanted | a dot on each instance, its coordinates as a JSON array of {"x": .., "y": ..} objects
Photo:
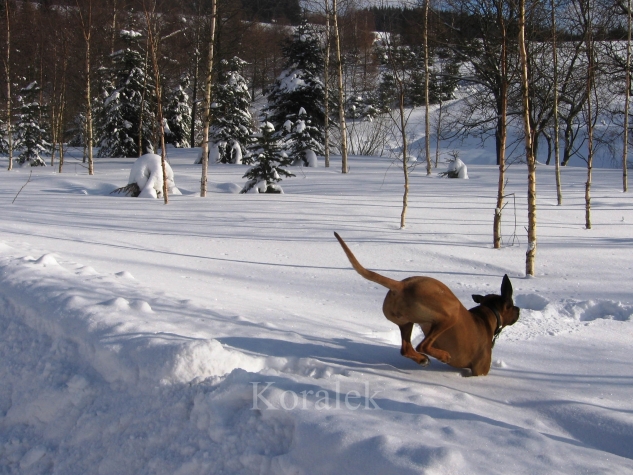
[
  {"x": 154, "y": 39},
  {"x": 397, "y": 59},
  {"x": 207, "y": 101},
  {"x": 488, "y": 55},
  {"x": 341, "y": 89},
  {"x": 627, "y": 93},
  {"x": 58, "y": 94},
  {"x": 559, "y": 191},
  {"x": 529, "y": 144},
  {"x": 427, "y": 119},
  {"x": 326, "y": 82},
  {"x": 85, "y": 16},
  {"x": 585, "y": 9},
  {"x": 7, "y": 71}
]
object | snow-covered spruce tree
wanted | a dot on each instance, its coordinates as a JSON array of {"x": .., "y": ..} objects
[
  {"x": 304, "y": 141},
  {"x": 4, "y": 139},
  {"x": 178, "y": 116},
  {"x": 231, "y": 126},
  {"x": 128, "y": 103},
  {"x": 300, "y": 84},
  {"x": 30, "y": 136},
  {"x": 269, "y": 160}
]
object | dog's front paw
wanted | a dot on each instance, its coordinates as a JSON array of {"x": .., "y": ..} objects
[
  {"x": 444, "y": 357},
  {"x": 424, "y": 362}
]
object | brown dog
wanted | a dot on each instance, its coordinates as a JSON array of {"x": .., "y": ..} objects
[{"x": 456, "y": 336}]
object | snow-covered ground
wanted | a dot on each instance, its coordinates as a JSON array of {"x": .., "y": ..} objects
[{"x": 230, "y": 334}]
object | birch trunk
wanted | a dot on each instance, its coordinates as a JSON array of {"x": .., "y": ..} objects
[
  {"x": 7, "y": 70},
  {"x": 207, "y": 104},
  {"x": 501, "y": 132},
  {"x": 341, "y": 91},
  {"x": 405, "y": 164},
  {"x": 153, "y": 41},
  {"x": 427, "y": 138},
  {"x": 529, "y": 145},
  {"x": 89, "y": 135},
  {"x": 559, "y": 190},
  {"x": 590, "y": 146},
  {"x": 625, "y": 145},
  {"x": 143, "y": 95},
  {"x": 326, "y": 80}
]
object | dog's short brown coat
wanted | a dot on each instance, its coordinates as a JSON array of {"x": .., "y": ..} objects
[{"x": 454, "y": 335}]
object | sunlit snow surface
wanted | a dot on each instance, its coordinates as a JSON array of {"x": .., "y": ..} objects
[{"x": 135, "y": 336}]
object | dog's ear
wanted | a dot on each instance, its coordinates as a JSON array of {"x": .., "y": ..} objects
[
  {"x": 506, "y": 288},
  {"x": 478, "y": 298}
]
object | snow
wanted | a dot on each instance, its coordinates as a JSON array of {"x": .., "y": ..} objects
[
  {"x": 147, "y": 173},
  {"x": 230, "y": 334},
  {"x": 459, "y": 169},
  {"x": 312, "y": 159}
]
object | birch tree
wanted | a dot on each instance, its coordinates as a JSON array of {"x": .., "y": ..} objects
[
  {"x": 627, "y": 93},
  {"x": 326, "y": 83},
  {"x": 154, "y": 39},
  {"x": 207, "y": 101},
  {"x": 85, "y": 15},
  {"x": 489, "y": 57},
  {"x": 7, "y": 71},
  {"x": 427, "y": 116},
  {"x": 559, "y": 191},
  {"x": 341, "y": 90},
  {"x": 529, "y": 144}
]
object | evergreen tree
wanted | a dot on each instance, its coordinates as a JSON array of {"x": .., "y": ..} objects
[
  {"x": 4, "y": 140},
  {"x": 304, "y": 142},
  {"x": 178, "y": 116},
  {"x": 232, "y": 128},
  {"x": 300, "y": 84},
  {"x": 269, "y": 160},
  {"x": 129, "y": 96},
  {"x": 29, "y": 134}
]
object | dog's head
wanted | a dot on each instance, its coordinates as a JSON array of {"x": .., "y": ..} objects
[{"x": 503, "y": 303}]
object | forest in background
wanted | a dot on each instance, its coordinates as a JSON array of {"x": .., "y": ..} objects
[{"x": 467, "y": 42}]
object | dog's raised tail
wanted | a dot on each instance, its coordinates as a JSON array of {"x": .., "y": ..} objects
[{"x": 391, "y": 284}]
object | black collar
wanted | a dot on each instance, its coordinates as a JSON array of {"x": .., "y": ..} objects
[{"x": 497, "y": 331}]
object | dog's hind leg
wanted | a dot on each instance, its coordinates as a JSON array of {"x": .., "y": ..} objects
[
  {"x": 426, "y": 345},
  {"x": 407, "y": 348}
]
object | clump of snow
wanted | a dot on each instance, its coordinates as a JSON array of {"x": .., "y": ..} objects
[
  {"x": 531, "y": 302},
  {"x": 457, "y": 169},
  {"x": 236, "y": 153},
  {"x": 147, "y": 173},
  {"x": 311, "y": 157},
  {"x": 47, "y": 260}
]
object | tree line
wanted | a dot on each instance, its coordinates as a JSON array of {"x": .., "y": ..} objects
[{"x": 126, "y": 76}]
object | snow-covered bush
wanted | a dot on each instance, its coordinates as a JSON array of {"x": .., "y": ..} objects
[
  {"x": 146, "y": 178},
  {"x": 29, "y": 133},
  {"x": 456, "y": 169},
  {"x": 300, "y": 83},
  {"x": 129, "y": 95},
  {"x": 269, "y": 162},
  {"x": 303, "y": 141},
  {"x": 232, "y": 128},
  {"x": 178, "y": 116}
]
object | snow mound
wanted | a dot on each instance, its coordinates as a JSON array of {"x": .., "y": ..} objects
[
  {"x": 531, "y": 302},
  {"x": 229, "y": 188},
  {"x": 125, "y": 275},
  {"x": 207, "y": 359},
  {"x": 540, "y": 317},
  {"x": 147, "y": 173},
  {"x": 47, "y": 260},
  {"x": 312, "y": 159},
  {"x": 105, "y": 317}
]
